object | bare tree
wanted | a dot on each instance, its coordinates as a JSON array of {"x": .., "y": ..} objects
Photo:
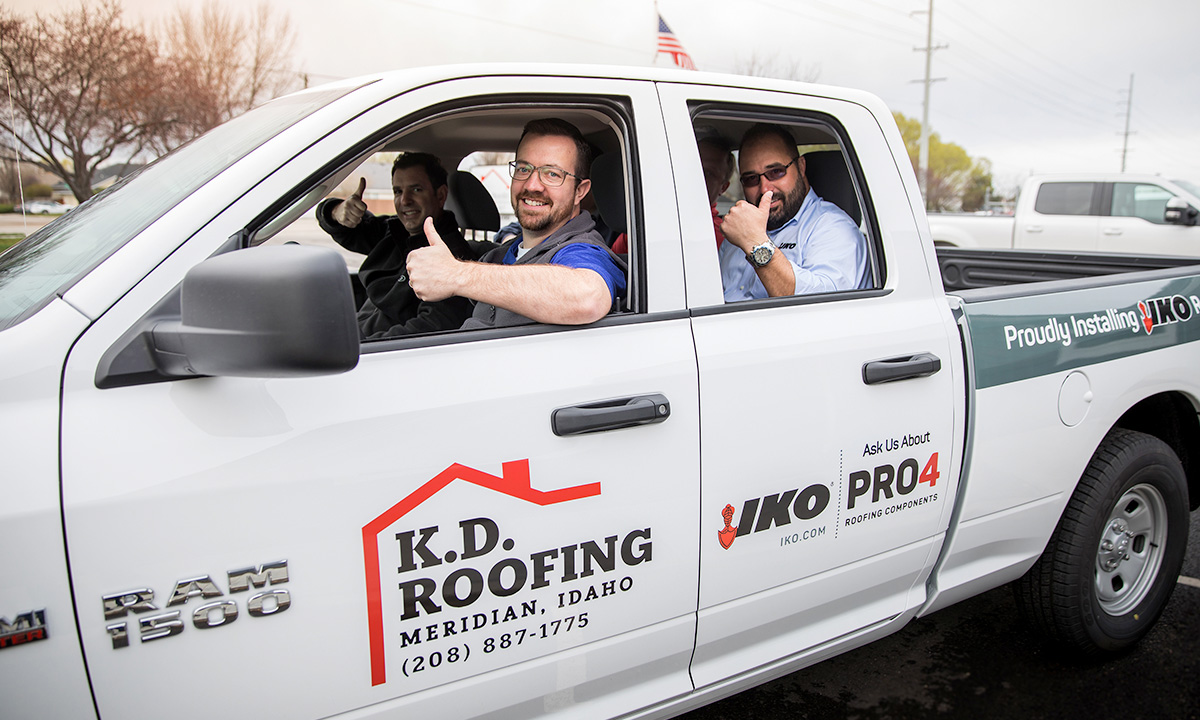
[
  {"x": 81, "y": 85},
  {"x": 774, "y": 66},
  {"x": 228, "y": 62}
]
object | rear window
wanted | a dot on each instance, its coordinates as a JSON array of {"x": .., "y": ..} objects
[{"x": 1066, "y": 198}]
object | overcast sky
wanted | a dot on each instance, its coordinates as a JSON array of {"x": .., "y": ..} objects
[{"x": 1031, "y": 85}]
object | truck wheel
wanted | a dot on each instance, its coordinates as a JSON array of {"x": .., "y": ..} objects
[{"x": 1112, "y": 562}]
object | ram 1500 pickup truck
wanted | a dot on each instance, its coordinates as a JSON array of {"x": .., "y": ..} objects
[
  {"x": 1092, "y": 212},
  {"x": 217, "y": 498}
]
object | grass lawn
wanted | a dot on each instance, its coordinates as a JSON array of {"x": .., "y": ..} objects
[{"x": 7, "y": 240}]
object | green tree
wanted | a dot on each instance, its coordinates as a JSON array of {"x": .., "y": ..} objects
[{"x": 955, "y": 180}]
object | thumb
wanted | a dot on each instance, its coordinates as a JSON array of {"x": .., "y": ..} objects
[
  {"x": 764, "y": 202},
  {"x": 431, "y": 235},
  {"x": 362, "y": 187}
]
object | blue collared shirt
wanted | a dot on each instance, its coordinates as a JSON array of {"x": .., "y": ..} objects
[{"x": 826, "y": 249}]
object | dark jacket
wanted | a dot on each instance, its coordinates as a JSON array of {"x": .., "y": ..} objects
[{"x": 392, "y": 308}]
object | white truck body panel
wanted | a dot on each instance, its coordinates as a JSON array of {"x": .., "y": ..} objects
[
  {"x": 413, "y": 536},
  {"x": 1097, "y": 212}
]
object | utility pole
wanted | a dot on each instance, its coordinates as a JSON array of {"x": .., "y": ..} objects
[
  {"x": 923, "y": 158},
  {"x": 1128, "y": 113}
]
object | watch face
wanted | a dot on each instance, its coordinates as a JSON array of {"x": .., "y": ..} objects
[{"x": 762, "y": 254}]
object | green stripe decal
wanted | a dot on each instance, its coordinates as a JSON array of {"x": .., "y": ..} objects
[{"x": 1023, "y": 337}]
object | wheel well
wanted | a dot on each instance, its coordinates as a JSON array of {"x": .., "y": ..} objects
[{"x": 1172, "y": 418}]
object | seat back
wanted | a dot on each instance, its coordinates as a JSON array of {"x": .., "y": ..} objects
[
  {"x": 608, "y": 189},
  {"x": 471, "y": 203},
  {"x": 827, "y": 173}
]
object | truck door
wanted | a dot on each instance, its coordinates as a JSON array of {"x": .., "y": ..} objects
[
  {"x": 1135, "y": 223},
  {"x": 1060, "y": 216},
  {"x": 448, "y": 529},
  {"x": 825, "y": 494}
]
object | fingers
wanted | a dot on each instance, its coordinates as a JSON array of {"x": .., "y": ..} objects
[
  {"x": 349, "y": 213},
  {"x": 431, "y": 234},
  {"x": 764, "y": 202}
]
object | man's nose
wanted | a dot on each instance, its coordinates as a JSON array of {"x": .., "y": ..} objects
[{"x": 535, "y": 182}]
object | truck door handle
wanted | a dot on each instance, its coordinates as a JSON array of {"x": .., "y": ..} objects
[
  {"x": 900, "y": 368},
  {"x": 610, "y": 414},
  {"x": 1033, "y": 228},
  {"x": 1112, "y": 231}
]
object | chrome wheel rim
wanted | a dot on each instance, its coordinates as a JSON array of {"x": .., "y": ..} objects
[{"x": 1130, "y": 551}]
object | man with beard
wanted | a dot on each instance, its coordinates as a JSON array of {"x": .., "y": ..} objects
[
  {"x": 392, "y": 308},
  {"x": 783, "y": 239},
  {"x": 558, "y": 269}
]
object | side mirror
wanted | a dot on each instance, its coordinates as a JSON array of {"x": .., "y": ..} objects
[
  {"x": 1178, "y": 212},
  {"x": 282, "y": 311}
]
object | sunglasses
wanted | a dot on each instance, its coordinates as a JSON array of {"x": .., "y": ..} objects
[{"x": 772, "y": 174}]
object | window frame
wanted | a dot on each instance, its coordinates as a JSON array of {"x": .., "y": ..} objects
[
  {"x": 619, "y": 112},
  {"x": 747, "y": 114}
]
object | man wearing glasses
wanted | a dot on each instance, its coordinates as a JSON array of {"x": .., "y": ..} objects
[
  {"x": 783, "y": 239},
  {"x": 558, "y": 269}
]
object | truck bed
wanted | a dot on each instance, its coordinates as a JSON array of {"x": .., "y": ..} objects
[{"x": 970, "y": 269}]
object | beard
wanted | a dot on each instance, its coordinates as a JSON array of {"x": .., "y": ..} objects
[
  {"x": 791, "y": 203},
  {"x": 553, "y": 215}
]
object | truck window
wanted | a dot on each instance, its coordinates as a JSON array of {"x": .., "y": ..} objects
[
  {"x": 817, "y": 222},
  {"x": 52, "y": 259},
  {"x": 473, "y": 146},
  {"x": 1066, "y": 198},
  {"x": 1141, "y": 200}
]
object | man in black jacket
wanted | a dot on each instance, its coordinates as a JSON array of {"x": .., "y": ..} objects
[{"x": 392, "y": 308}]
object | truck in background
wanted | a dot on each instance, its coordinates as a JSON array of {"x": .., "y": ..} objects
[{"x": 1097, "y": 212}]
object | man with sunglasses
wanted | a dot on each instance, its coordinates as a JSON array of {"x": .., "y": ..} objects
[
  {"x": 783, "y": 239},
  {"x": 558, "y": 269}
]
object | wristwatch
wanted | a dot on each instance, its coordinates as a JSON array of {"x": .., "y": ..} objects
[{"x": 760, "y": 255}]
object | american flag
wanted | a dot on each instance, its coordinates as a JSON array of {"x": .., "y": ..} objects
[{"x": 669, "y": 44}]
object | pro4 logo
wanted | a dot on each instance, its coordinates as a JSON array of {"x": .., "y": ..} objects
[{"x": 888, "y": 480}]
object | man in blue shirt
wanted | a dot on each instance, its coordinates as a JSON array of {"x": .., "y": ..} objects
[
  {"x": 558, "y": 269},
  {"x": 783, "y": 239}
]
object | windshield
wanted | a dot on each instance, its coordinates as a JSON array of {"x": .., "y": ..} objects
[
  {"x": 1191, "y": 187},
  {"x": 52, "y": 259}
]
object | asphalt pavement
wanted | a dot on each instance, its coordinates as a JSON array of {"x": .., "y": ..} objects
[{"x": 977, "y": 660}]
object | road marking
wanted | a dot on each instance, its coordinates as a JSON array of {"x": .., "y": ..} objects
[{"x": 1185, "y": 580}]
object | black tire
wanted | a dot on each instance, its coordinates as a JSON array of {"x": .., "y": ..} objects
[{"x": 1113, "y": 560}]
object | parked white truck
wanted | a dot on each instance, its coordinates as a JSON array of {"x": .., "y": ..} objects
[
  {"x": 1094, "y": 212},
  {"x": 216, "y": 499}
]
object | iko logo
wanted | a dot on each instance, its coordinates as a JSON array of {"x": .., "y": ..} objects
[
  {"x": 774, "y": 510},
  {"x": 1167, "y": 310}
]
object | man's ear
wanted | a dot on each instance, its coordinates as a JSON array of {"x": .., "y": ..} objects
[
  {"x": 441, "y": 194},
  {"x": 581, "y": 190}
]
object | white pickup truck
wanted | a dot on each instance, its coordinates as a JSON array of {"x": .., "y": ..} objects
[
  {"x": 217, "y": 499},
  {"x": 1093, "y": 212}
]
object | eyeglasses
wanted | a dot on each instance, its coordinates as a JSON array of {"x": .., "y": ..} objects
[
  {"x": 548, "y": 174},
  {"x": 773, "y": 174}
]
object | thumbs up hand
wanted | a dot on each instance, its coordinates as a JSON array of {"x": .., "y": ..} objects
[
  {"x": 746, "y": 224},
  {"x": 349, "y": 212},
  {"x": 433, "y": 272}
]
